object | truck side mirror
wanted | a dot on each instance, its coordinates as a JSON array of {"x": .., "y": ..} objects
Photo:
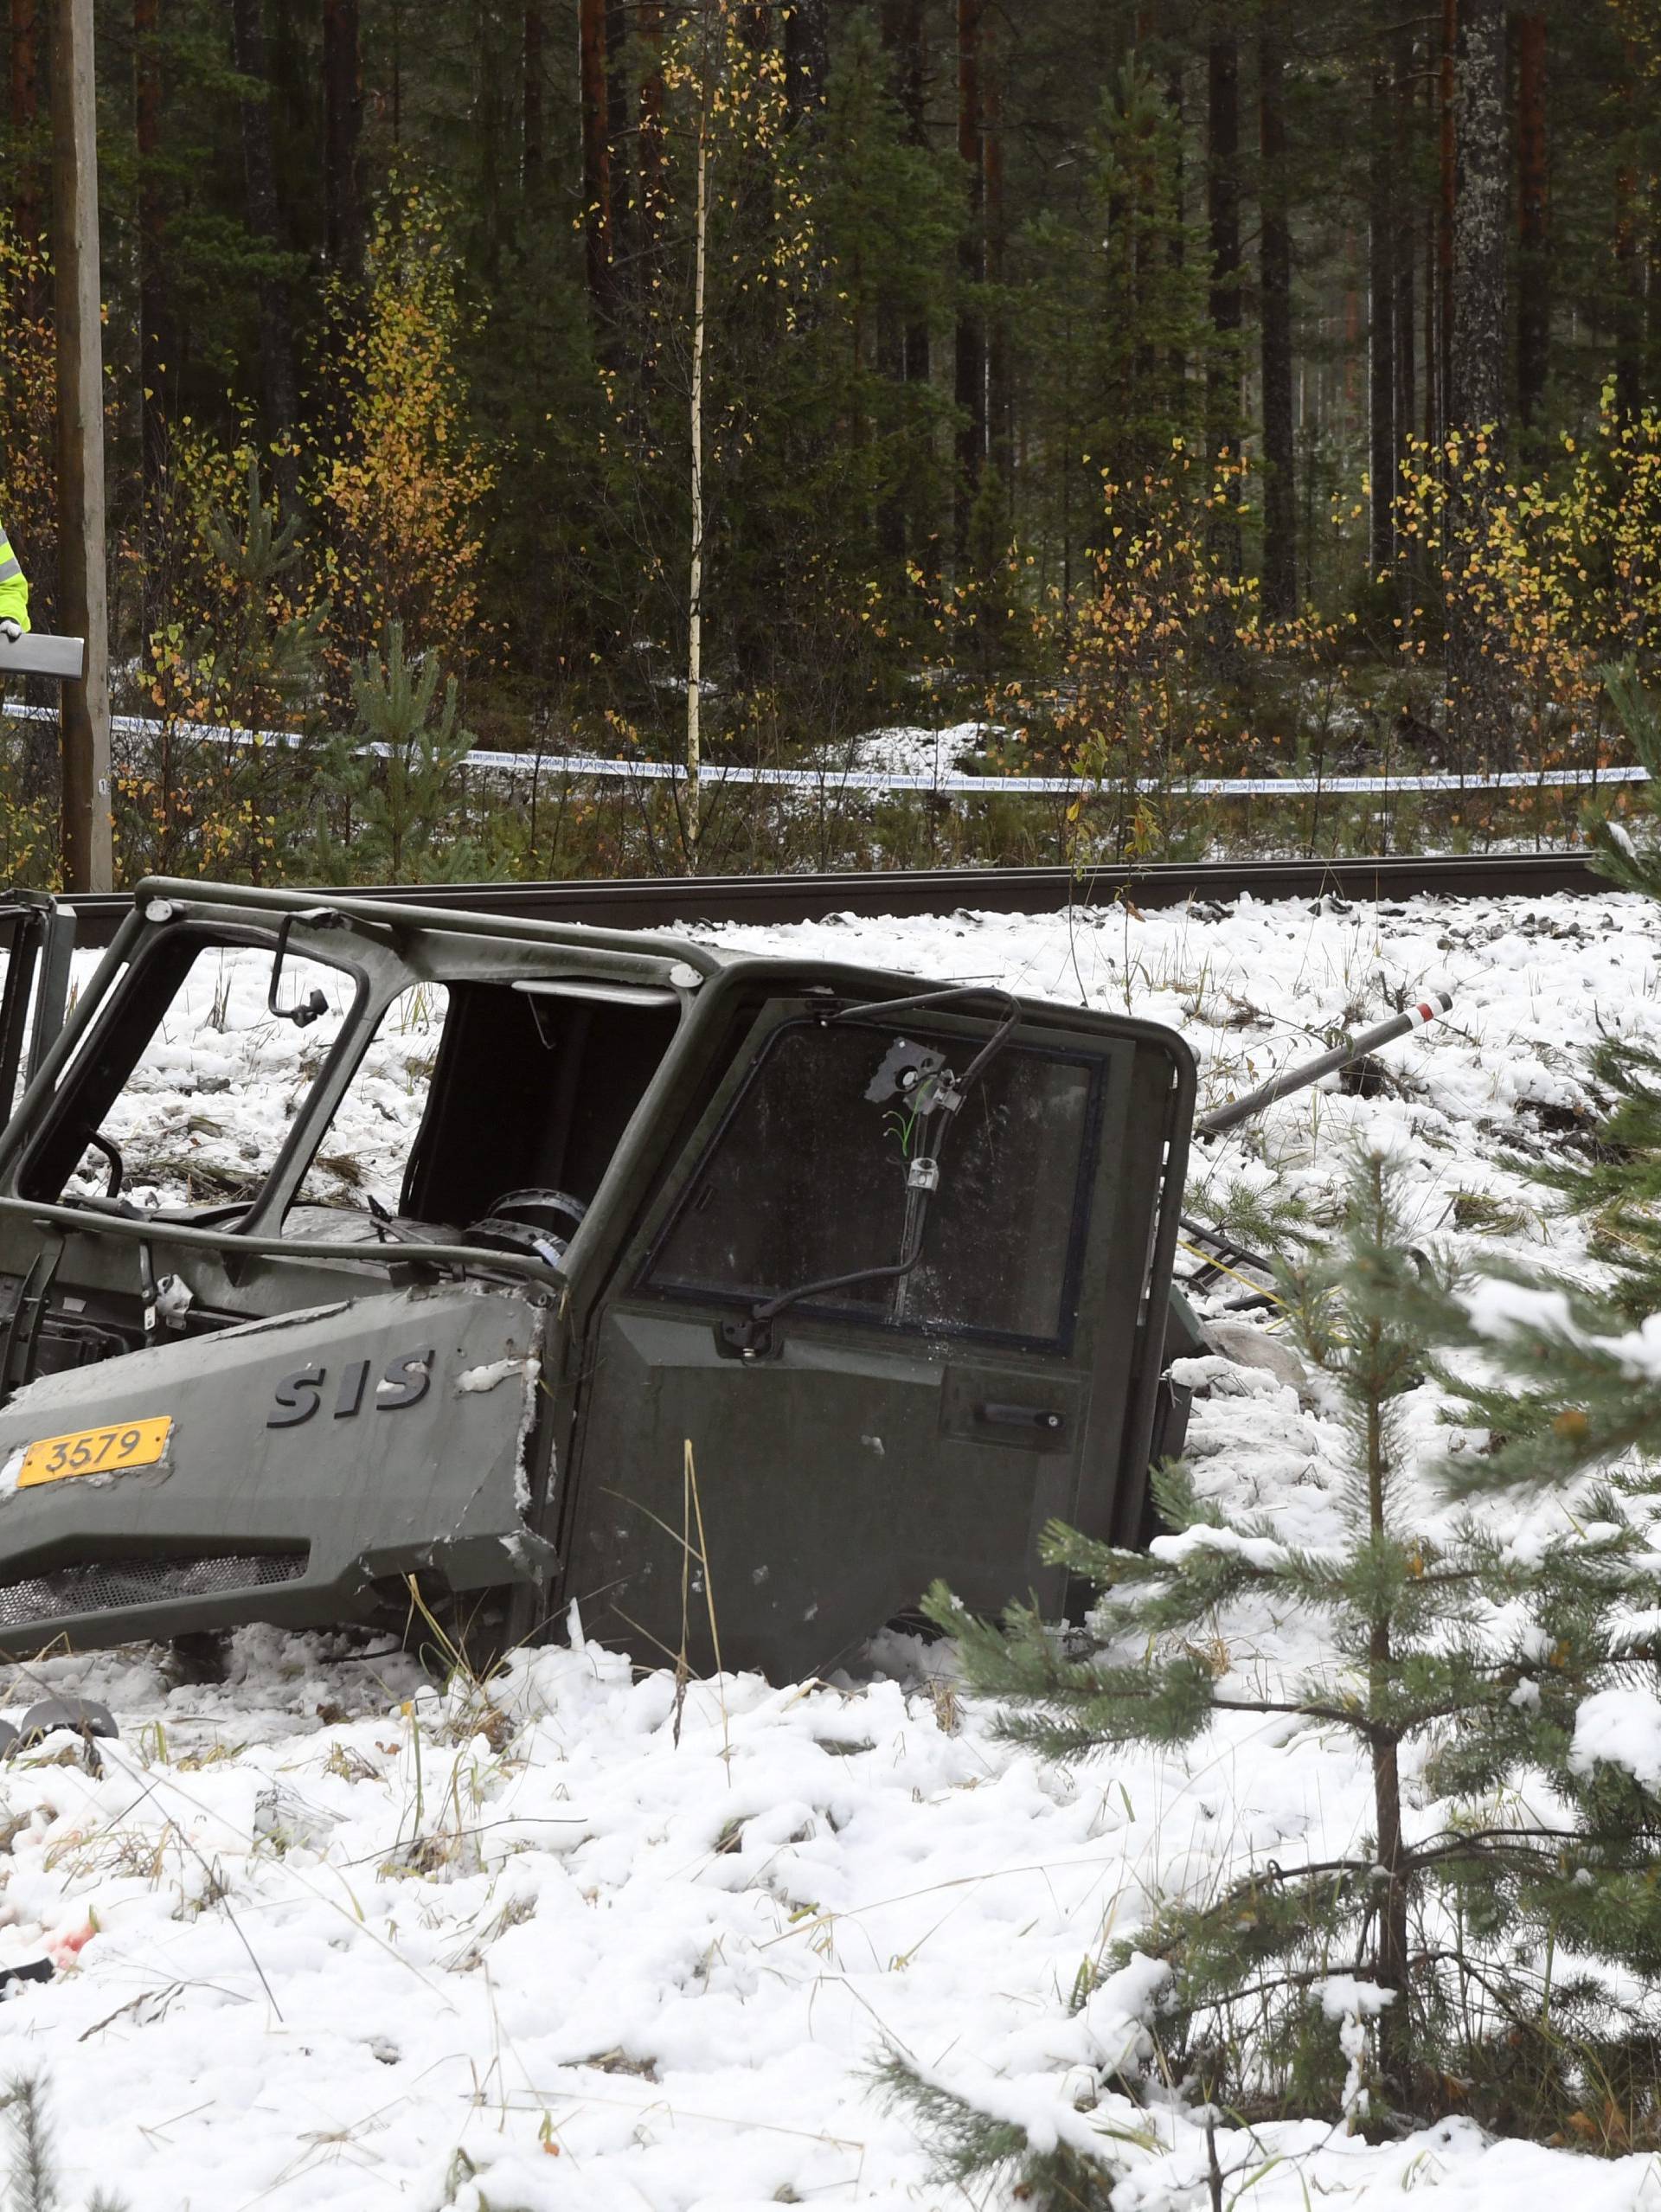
[{"x": 314, "y": 1005}]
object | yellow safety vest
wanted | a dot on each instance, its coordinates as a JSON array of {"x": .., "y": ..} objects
[{"x": 14, "y": 585}]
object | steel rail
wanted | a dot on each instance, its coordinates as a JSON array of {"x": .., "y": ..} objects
[{"x": 658, "y": 903}]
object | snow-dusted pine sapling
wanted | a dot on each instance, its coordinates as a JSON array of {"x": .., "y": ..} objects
[
  {"x": 1569, "y": 1388},
  {"x": 1619, "y": 1186},
  {"x": 32, "y": 2176},
  {"x": 1262, "y": 1972}
]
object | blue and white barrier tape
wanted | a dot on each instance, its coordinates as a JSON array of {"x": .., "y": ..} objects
[{"x": 585, "y": 768}]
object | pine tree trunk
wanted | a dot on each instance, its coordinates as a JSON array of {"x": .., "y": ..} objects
[
  {"x": 807, "y": 55},
  {"x": 909, "y": 43},
  {"x": 260, "y": 172},
  {"x": 1395, "y": 2025},
  {"x": 1279, "y": 463},
  {"x": 971, "y": 378},
  {"x": 1381, "y": 318},
  {"x": 1481, "y": 165},
  {"x": 155, "y": 351},
  {"x": 1476, "y": 402},
  {"x": 596, "y": 162},
  {"x": 396, "y": 69},
  {"x": 1534, "y": 271},
  {"x": 343, "y": 105},
  {"x": 1405, "y": 74},
  {"x": 1447, "y": 139},
  {"x": 1629, "y": 264},
  {"x": 1223, "y": 209},
  {"x": 533, "y": 146},
  {"x": 620, "y": 136},
  {"x": 650, "y": 154},
  {"x": 1000, "y": 441},
  {"x": 1433, "y": 338},
  {"x": 1175, "y": 356},
  {"x": 25, "y": 110},
  {"x": 902, "y": 342}
]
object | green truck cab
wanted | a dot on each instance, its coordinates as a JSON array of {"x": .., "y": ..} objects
[{"x": 730, "y": 1300}]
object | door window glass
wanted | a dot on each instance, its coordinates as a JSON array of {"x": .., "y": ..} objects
[{"x": 806, "y": 1181}]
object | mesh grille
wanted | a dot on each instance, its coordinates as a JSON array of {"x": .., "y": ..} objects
[{"x": 110, "y": 1584}]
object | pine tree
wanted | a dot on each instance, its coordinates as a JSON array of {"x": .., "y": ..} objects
[
  {"x": 1618, "y": 1185},
  {"x": 395, "y": 776},
  {"x": 262, "y": 652},
  {"x": 1152, "y": 326},
  {"x": 1569, "y": 1389},
  {"x": 1452, "y": 1652}
]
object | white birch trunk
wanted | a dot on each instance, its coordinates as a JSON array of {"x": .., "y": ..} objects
[{"x": 695, "y": 593}]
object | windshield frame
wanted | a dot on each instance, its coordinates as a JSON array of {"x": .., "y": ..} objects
[
  {"x": 392, "y": 945},
  {"x": 51, "y": 1129}
]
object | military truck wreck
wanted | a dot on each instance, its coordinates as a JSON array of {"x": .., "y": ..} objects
[{"x": 885, "y": 1263}]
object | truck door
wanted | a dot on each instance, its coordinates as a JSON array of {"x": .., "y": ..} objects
[{"x": 876, "y": 1433}]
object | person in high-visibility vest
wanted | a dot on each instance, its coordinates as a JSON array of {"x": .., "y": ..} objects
[{"x": 14, "y": 592}]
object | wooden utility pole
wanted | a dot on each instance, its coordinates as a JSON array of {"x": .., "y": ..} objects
[{"x": 88, "y": 858}]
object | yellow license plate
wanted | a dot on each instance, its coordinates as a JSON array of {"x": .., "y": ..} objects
[{"x": 96, "y": 1450}]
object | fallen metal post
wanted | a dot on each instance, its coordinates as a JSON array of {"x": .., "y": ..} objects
[{"x": 1311, "y": 1071}]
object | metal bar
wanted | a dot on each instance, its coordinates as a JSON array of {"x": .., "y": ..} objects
[
  {"x": 22, "y": 961},
  {"x": 645, "y": 962},
  {"x": 51, "y": 995},
  {"x": 153, "y": 1229},
  {"x": 15, "y": 1133},
  {"x": 1311, "y": 1071}
]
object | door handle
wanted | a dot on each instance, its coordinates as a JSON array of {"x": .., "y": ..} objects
[{"x": 1000, "y": 1416}]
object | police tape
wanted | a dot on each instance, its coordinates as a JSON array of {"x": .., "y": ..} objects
[
  {"x": 597, "y": 767},
  {"x": 582, "y": 766}
]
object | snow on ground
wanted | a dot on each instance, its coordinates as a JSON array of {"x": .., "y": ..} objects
[
  {"x": 907, "y": 750},
  {"x": 327, "y": 1936}
]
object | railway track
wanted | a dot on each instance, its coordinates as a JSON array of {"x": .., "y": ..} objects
[{"x": 656, "y": 902}]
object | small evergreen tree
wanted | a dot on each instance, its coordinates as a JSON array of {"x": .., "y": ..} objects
[
  {"x": 1151, "y": 274},
  {"x": 1450, "y": 1649},
  {"x": 238, "y": 644},
  {"x": 261, "y": 651},
  {"x": 393, "y": 779},
  {"x": 1569, "y": 1389},
  {"x": 1617, "y": 1186}
]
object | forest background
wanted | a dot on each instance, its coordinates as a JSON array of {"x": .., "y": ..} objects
[{"x": 1204, "y": 387}]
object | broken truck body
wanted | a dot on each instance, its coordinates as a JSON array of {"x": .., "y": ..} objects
[{"x": 890, "y": 1262}]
